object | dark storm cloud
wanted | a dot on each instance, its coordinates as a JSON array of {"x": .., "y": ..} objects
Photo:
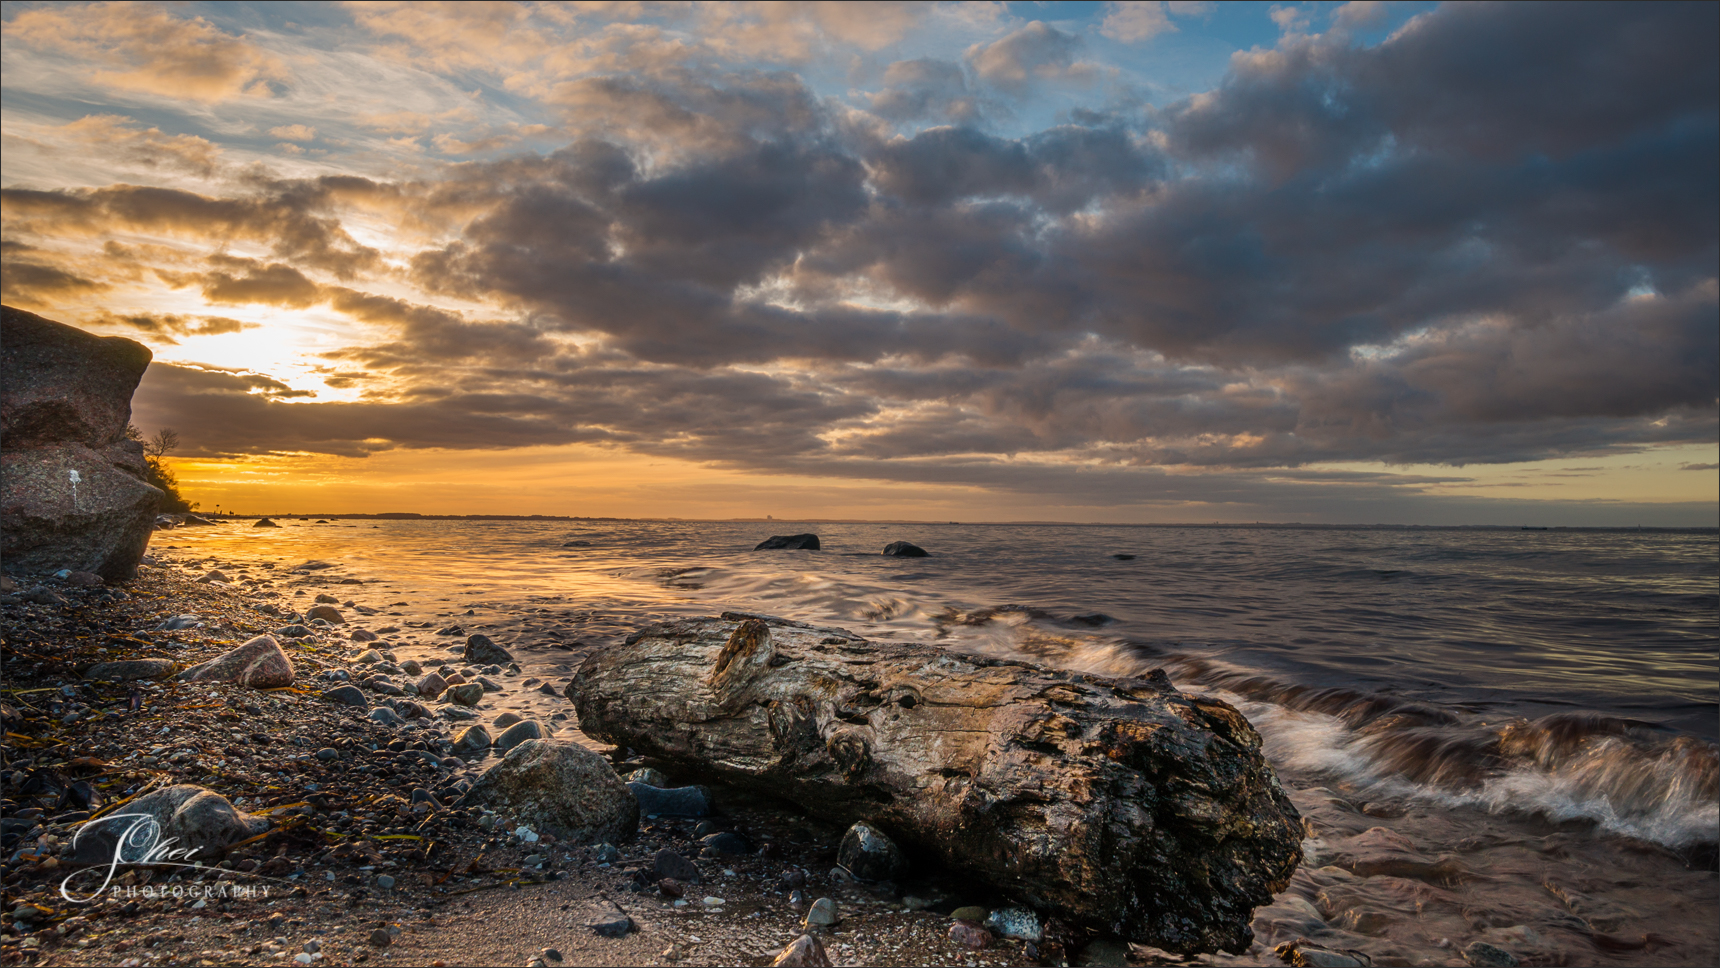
[
  {"x": 1490, "y": 238},
  {"x": 165, "y": 327}
]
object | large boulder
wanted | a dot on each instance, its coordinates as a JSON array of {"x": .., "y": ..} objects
[
  {"x": 72, "y": 487},
  {"x": 543, "y": 783},
  {"x": 260, "y": 663}
]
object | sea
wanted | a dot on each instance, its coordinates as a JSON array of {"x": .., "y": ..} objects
[{"x": 1494, "y": 735}]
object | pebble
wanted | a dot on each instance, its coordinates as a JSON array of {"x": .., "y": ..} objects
[
  {"x": 384, "y": 882},
  {"x": 385, "y": 716},
  {"x": 1105, "y": 953},
  {"x": 381, "y": 938},
  {"x": 606, "y": 853},
  {"x": 667, "y": 863},
  {"x": 822, "y": 914},
  {"x": 1483, "y": 955},
  {"x": 466, "y": 693},
  {"x": 688, "y": 801},
  {"x": 472, "y": 739},
  {"x": 970, "y": 935},
  {"x": 804, "y": 952},
  {"x": 714, "y": 902},
  {"x": 347, "y": 696},
  {"x": 508, "y": 719},
  {"x": 970, "y": 912},
  {"x": 328, "y": 753}
]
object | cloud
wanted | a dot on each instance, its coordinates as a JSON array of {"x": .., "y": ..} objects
[
  {"x": 294, "y": 132},
  {"x": 927, "y": 88},
  {"x": 1698, "y": 467},
  {"x": 117, "y": 137},
  {"x": 145, "y": 48},
  {"x": 1036, "y": 51},
  {"x": 1133, "y": 21},
  {"x": 164, "y": 327}
]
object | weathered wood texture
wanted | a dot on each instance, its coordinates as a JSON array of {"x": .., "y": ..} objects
[{"x": 1121, "y": 805}]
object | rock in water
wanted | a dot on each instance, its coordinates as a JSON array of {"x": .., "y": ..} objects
[
  {"x": 543, "y": 783},
  {"x": 72, "y": 490},
  {"x": 789, "y": 542},
  {"x": 482, "y": 650},
  {"x": 472, "y": 739},
  {"x": 903, "y": 549},
  {"x": 518, "y": 733},
  {"x": 202, "y": 821},
  {"x": 259, "y": 663},
  {"x": 327, "y": 613},
  {"x": 1118, "y": 804},
  {"x": 871, "y": 856},
  {"x": 265, "y": 523}
]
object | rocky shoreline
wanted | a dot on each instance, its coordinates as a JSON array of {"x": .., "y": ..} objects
[{"x": 374, "y": 845}]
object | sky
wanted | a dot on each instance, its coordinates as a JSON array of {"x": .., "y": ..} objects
[{"x": 1122, "y": 262}]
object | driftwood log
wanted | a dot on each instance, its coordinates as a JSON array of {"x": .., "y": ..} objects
[{"x": 1120, "y": 805}]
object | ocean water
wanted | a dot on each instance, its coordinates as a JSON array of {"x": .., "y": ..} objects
[{"x": 1522, "y": 723}]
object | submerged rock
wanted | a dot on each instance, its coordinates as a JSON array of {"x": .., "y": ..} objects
[
  {"x": 482, "y": 650},
  {"x": 72, "y": 486},
  {"x": 260, "y": 663},
  {"x": 543, "y": 783},
  {"x": 788, "y": 542},
  {"x": 903, "y": 549},
  {"x": 870, "y": 855},
  {"x": 265, "y": 523}
]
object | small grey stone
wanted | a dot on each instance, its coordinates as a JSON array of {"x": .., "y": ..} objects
[
  {"x": 507, "y": 719},
  {"x": 129, "y": 670},
  {"x": 667, "y": 863},
  {"x": 386, "y": 716},
  {"x": 481, "y": 649},
  {"x": 384, "y": 882},
  {"x": 870, "y": 855},
  {"x": 606, "y": 853},
  {"x": 328, "y": 753},
  {"x": 466, "y": 693},
  {"x": 472, "y": 739},
  {"x": 347, "y": 696},
  {"x": 822, "y": 914}
]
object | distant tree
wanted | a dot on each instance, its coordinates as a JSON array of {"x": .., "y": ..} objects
[{"x": 156, "y": 472}]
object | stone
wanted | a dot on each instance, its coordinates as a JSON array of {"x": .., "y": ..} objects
[
  {"x": 294, "y": 632},
  {"x": 687, "y": 801},
  {"x": 215, "y": 575},
  {"x": 368, "y": 657},
  {"x": 1483, "y": 955},
  {"x": 482, "y": 650},
  {"x": 324, "y": 598},
  {"x": 384, "y": 882},
  {"x": 129, "y": 670},
  {"x": 903, "y": 549},
  {"x": 488, "y": 684},
  {"x": 346, "y": 696},
  {"x": 667, "y": 863},
  {"x": 472, "y": 739},
  {"x": 804, "y": 952},
  {"x": 327, "y": 613},
  {"x": 822, "y": 914},
  {"x": 606, "y": 920},
  {"x": 544, "y": 783},
  {"x": 789, "y": 542},
  {"x": 518, "y": 733},
  {"x": 383, "y": 685},
  {"x": 970, "y": 912},
  {"x": 386, "y": 717},
  {"x": 649, "y": 777},
  {"x": 196, "y": 819},
  {"x": 508, "y": 719},
  {"x": 412, "y": 667},
  {"x": 1018, "y": 923},
  {"x": 363, "y": 635},
  {"x": 85, "y": 579},
  {"x": 73, "y": 491},
  {"x": 466, "y": 694},
  {"x": 1104, "y": 953},
  {"x": 178, "y": 622},
  {"x": 260, "y": 663},
  {"x": 970, "y": 935},
  {"x": 328, "y": 754},
  {"x": 870, "y": 855},
  {"x": 381, "y": 938},
  {"x": 410, "y": 709},
  {"x": 727, "y": 843},
  {"x": 265, "y": 523},
  {"x": 431, "y": 685},
  {"x": 606, "y": 853},
  {"x": 43, "y": 595}
]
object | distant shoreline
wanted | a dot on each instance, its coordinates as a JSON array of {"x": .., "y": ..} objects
[{"x": 1263, "y": 525}]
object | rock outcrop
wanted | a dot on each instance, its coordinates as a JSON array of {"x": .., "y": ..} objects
[
  {"x": 1118, "y": 804},
  {"x": 72, "y": 487},
  {"x": 905, "y": 549}
]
